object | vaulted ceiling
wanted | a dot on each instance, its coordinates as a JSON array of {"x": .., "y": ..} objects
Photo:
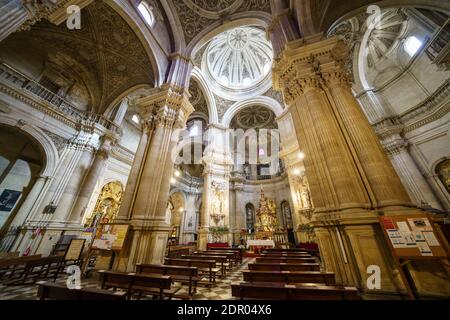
[{"x": 105, "y": 56}]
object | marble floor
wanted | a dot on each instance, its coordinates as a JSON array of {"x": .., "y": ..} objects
[{"x": 220, "y": 291}]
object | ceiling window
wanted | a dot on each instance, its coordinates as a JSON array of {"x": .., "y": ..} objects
[
  {"x": 193, "y": 131},
  {"x": 412, "y": 45},
  {"x": 146, "y": 12},
  {"x": 135, "y": 118}
]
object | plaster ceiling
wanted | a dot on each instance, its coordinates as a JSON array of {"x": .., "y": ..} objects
[{"x": 105, "y": 56}]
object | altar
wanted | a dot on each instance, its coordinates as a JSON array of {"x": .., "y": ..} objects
[{"x": 260, "y": 243}]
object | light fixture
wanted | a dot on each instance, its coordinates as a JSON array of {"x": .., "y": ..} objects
[
  {"x": 412, "y": 45},
  {"x": 301, "y": 155},
  {"x": 177, "y": 173},
  {"x": 172, "y": 180},
  {"x": 296, "y": 172},
  {"x": 181, "y": 209}
]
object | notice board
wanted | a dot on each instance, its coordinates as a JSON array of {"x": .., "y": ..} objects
[
  {"x": 110, "y": 237},
  {"x": 412, "y": 237}
]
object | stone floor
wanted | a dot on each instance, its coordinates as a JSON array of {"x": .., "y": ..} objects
[{"x": 221, "y": 291}]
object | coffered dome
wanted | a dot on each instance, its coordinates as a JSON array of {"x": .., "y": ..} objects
[{"x": 239, "y": 58}]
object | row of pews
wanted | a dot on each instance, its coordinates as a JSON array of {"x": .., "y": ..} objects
[
  {"x": 155, "y": 280},
  {"x": 290, "y": 274},
  {"x": 29, "y": 269}
]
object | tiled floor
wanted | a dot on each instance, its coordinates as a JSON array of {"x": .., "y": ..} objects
[{"x": 221, "y": 291}]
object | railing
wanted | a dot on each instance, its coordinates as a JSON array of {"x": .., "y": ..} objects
[{"x": 57, "y": 103}]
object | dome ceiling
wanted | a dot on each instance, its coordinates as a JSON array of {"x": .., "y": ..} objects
[
  {"x": 254, "y": 117},
  {"x": 239, "y": 57}
]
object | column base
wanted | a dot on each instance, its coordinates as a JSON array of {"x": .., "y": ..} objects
[
  {"x": 145, "y": 244},
  {"x": 349, "y": 246}
]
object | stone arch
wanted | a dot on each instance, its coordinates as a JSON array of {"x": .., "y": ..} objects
[
  {"x": 268, "y": 102},
  {"x": 51, "y": 157},
  {"x": 210, "y": 101}
]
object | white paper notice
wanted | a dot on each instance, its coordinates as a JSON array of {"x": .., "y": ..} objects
[
  {"x": 424, "y": 249},
  {"x": 403, "y": 226},
  {"x": 396, "y": 238},
  {"x": 420, "y": 224},
  {"x": 431, "y": 239}
]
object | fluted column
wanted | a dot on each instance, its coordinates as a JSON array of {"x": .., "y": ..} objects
[
  {"x": 162, "y": 112},
  {"x": 93, "y": 176},
  {"x": 350, "y": 176}
]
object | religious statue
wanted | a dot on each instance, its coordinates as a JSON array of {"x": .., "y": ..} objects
[
  {"x": 217, "y": 202},
  {"x": 266, "y": 217},
  {"x": 108, "y": 204}
]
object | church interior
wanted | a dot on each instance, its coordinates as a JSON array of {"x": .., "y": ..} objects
[{"x": 224, "y": 150}]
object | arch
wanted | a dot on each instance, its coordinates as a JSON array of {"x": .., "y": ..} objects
[
  {"x": 258, "y": 18},
  {"x": 268, "y": 102},
  {"x": 51, "y": 157},
  {"x": 438, "y": 168},
  {"x": 438, "y": 5},
  {"x": 158, "y": 59},
  {"x": 207, "y": 93},
  {"x": 135, "y": 90},
  {"x": 250, "y": 220}
]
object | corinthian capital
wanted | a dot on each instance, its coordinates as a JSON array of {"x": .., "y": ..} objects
[
  {"x": 166, "y": 106},
  {"x": 310, "y": 63}
]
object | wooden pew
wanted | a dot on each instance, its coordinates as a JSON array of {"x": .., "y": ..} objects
[
  {"x": 53, "y": 291},
  {"x": 285, "y": 250},
  {"x": 280, "y": 291},
  {"x": 231, "y": 256},
  {"x": 9, "y": 268},
  {"x": 181, "y": 274},
  {"x": 208, "y": 267},
  {"x": 285, "y": 260},
  {"x": 286, "y": 255},
  {"x": 284, "y": 266},
  {"x": 229, "y": 249},
  {"x": 34, "y": 269},
  {"x": 153, "y": 284},
  {"x": 290, "y": 277},
  {"x": 222, "y": 260}
]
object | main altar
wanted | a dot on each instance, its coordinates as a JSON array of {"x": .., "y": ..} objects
[{"x": 268, "y": 231}]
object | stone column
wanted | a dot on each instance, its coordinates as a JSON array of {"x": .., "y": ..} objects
[
  {"x": 94, "y": 175},
  {"x": 216, "y": 177},
  {"x": 350, "y": 176},
  {"x": 163, "y": 112}
]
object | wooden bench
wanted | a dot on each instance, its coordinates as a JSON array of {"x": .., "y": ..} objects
[
  {"x": 286, "y": 255},
  {"x": 53, "y": 291},
  {"x": 36, "y": 268},
  {"x": 285, "y": 260},
  {"x": 285, "y": 250},
  {"x": 239, "y": 251},
  {"x": 289, "y": 277},
  {"x": 208, "y": 267},
  {"x": 9, "y": 268},
  {"x": 231, "y": 256},
  {"x": 222, "y": 260},
  {"x": 154, "y": 284},
  {"x": 280, "y": 291},
  {"x": 181, "y": 274},
  {"x": 284, "y": 266}
]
